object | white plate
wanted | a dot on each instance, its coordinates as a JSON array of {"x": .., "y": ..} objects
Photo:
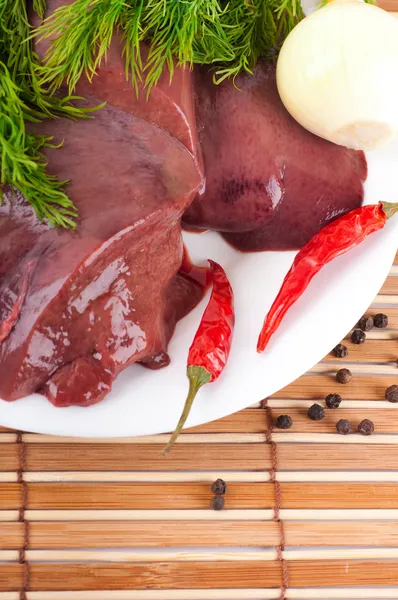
[{"x": 147, "y": 402}]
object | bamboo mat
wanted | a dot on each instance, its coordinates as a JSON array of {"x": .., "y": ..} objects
[{"x": 308, "y": 513}]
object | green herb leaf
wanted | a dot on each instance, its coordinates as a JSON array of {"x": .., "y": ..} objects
[
  {"x": 83, "y": 32},
  {"x": 229, "y": 35},
  {"x": 24, "y": 98},
  {"x": 22, "y": 163}
]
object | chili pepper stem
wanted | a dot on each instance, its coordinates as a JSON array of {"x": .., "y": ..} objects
[
  {"x": 389, "y": 208},
  {"x": 197, "y": 376}
]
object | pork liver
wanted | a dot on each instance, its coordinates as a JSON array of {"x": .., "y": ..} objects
[
  {"x": 81, "y": 306},
  {"x": 270, "y": 184}
]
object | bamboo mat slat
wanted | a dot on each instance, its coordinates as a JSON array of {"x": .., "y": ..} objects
[
  {"x": 114, "y": 520},
  {"x": 214, "y": 457},
  {"x": 200, "y": 575},
  {"x": 215, "y": 594},
  {"x": 139, "y": 556},
  {"x": 365, "y": 476},
  {"x": 206, "y": 533},
  {"x": 315, "y": 387},
  {"x": 392, "y": 311},
  {"x": 225, "y": 438},
  {"x": 389, "y": 286},
  {"x": 212, "y": 533},
  {"x": 202, "y": 515},
  {"x": 225, "y": 555},
  {"x": 195, "y": 496},
  {"x": 253, "y": 420}
]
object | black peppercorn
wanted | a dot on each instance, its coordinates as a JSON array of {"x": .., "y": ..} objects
[
  {"x": 366, "y": 427},
  {"x": 316, "y": 412},
  {"x": 343, "y": 426},
  {"x": 333, "y": 400},
  {"x": 380, "y": 321},
  {"x": 343, "y": 375},
  {"x": 391, "y": 393},
  {"x": 365, "y": 323},
  {"x": 340, "y": 351},
  {"x": 219, "y": 487},
  {"x": 217, "y": 502},
  {"x": 358, "y": 336},
  {"x": 284, "y": 422}
]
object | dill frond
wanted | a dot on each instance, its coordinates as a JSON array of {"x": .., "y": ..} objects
[
  {"x": 24, "y": 97},
  {"x": 23, "y": 165},
  {"x": 39, "y": 6},
  {"x": 132, "y": 35},
  {"x": 83, "y": 33},
  {"x": 181, "y": 30},
  {"x": 230, "y": 35},
  {"x": 23, "y": 65}
]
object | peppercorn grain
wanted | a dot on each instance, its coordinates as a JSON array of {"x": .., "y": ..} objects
[
  {"x": 365, "y": 323},
  {"x": 284, "y": 422},
  {"x": 358, "y": 336},
  {"x": 219, "y": 487},
  {"x": 380, "y": 321},
  {"x": 366, "y": 427},
  {"x": 343, "y": 376},
  {"x": 333, "y": 400},
  {"x": 343, "y": 427},
  {"x": 316, "y": 412},
  {"x": 391, "y": 394},
  {"x": 217, "y": 502},
  {"x": 340, "y": 351}
]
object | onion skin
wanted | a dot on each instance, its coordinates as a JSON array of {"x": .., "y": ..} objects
[{"x": 337, "y": 74}]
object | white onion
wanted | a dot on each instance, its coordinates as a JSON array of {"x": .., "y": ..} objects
[{"x": 337, "y": 74}]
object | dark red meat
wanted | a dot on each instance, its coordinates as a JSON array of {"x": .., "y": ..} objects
[
  {"x": 78, "y": 307},
  {"x": 269, "y": 183},
  {"x": 170, "y": 106}
]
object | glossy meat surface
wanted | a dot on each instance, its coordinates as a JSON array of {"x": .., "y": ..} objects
[
  {"x": 78, "y": 307},
  {"x": 270, "y": 184}
]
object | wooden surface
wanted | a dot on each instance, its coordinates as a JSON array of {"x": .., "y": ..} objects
[{"x": 114, "y": 520}]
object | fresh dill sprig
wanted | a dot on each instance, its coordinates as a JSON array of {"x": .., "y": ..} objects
[
  {"x": 39, "y": 6},
  {"x": 188, "y": 31},
  {"x": 23, "y": 97},
  {"x": 230, "y": 35},
  {"x": 22, "y": 164},
  {"x": 253, "y": 32},
  {"x": 132, "y": 35},
  {"x": 22, "y": 62},
  {"x": 83, "y": 32}
]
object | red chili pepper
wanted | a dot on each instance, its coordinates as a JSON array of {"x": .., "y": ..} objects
[
  {"x": 332, "y": 241},
  {"x": 211, "y": 346}
]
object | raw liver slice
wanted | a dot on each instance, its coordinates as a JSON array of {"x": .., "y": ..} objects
[
  {"x": 99, "y": 298},
  {"x": 78, "y": 307},
  {"x": 170, "y": 105},
  {"x": 270, "y": 184}
]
